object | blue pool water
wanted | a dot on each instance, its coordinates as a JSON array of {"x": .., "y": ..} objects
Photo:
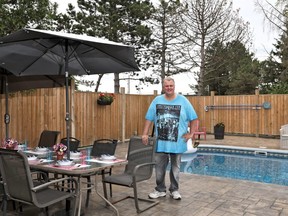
[{"x": 261, "y": 165}]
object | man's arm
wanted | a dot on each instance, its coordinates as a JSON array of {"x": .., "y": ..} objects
[
  {"x": 190, "y": 135},
  {"x": 145, "y": 132}
]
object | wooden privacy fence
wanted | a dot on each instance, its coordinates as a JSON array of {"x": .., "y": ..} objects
[{"x": 33, "y": 111}]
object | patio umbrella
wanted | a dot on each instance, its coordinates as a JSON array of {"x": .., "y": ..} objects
[
  {"x": 11, "y": 83},
  {"x": 42, "y": 52}
]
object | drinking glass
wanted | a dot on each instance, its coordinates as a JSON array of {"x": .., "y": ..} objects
[
  {"x": 83, "y": 157},
  {"x": 25, "y": 145},
  {"x": 49, "y": 154},
  {"x": 88, "y": 153}
]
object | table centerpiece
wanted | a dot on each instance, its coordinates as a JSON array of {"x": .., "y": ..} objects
[{"x": 60, "y": 150}]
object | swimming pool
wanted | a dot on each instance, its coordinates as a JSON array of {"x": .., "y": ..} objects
[{"x": 253, "y": 164}]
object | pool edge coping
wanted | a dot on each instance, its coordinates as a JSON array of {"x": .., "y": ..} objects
[{"x": 243, "y": 148}]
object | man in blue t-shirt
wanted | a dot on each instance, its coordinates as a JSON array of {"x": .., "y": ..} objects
[{"x": 171, "y": 114}]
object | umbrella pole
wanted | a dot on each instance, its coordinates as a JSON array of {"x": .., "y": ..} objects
[
  {"x": 67, "y": 118},
  {"x": 6, "y": 116}
]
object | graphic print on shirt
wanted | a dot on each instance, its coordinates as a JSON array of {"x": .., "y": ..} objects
[{"x": 168, "y": 117}]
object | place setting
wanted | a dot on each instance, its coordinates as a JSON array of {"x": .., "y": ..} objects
[
  {"x": 75, "y": 155},
  {"x": 64, "y": 163},
  {"x": 32, "y": 158},
  {"x": 68, "y": 164},
  {"x": 38, "y": 151},
  {"x": 105, "y": 158},
  {"x": 36, "y": 159}
]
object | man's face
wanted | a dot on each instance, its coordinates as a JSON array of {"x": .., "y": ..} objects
[{"x": 169, "y": 87}]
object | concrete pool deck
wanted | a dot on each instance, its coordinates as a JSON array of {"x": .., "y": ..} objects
[
  {"x": 202, "y": 195},
  {"x": 243, "y": 141}
]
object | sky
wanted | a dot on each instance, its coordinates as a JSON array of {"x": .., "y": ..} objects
[{"x": 263, "y": 39}]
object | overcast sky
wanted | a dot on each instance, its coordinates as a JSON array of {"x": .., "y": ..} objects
[{"x": 263, "y": 39}]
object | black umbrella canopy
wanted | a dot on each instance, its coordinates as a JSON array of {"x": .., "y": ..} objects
[
  {"x": 33, "y": 51},
  {"x": 42, "y": 52}
]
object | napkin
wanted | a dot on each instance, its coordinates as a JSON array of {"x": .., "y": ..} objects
[
  {"x": 45, "y": 161},
  {"x": 81, "y": 165}
]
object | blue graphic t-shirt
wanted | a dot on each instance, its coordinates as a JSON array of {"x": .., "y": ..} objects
[{"x": 171, "y": 120}]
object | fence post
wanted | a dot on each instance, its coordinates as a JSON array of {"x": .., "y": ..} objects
[
  {"x": 212, "y": 97},
  {"x": 72, "y": 100},
  {"x": 123, "y": 106},
  {"x": 257, "y": 112}
]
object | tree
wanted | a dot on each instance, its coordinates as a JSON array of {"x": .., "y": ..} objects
[
  {"x": 276, "y": 14},
  {"x": 274, "y": 70},
  {"x": 15, "y": 15},
  {"x": 205, "y": 21},
  {"x": 118, "y": 20},
  {"x": 243, "y": 69},
  {"x": 167, "y": 40},
  {"x": 230, "y": 69},
  {"x": 216, "y": 73}
]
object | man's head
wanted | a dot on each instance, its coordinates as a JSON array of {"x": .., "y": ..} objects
[{"x": 169, "y": 86}]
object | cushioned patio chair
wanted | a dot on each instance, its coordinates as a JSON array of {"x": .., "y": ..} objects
[
  {"x": 19, "y": 185},
  {"x": 101, "y": 147},
  {"x": 138, "y": 169},
  {"x": 48, "y": 138},
  {"x": 74, "y": 143}
]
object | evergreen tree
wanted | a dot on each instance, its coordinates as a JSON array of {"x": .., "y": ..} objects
[
  {"x": 117, "y": 20},
  {"x": 15, "y": 15},
  {"x": 243, "y": 69},
  {"x": 230, "y": 69},
  {"x": 274, "y": 70},
  {"x": 216, "y": 73}
]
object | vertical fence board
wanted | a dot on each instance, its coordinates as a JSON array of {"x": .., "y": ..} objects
[{"x": 36, "y": 110}]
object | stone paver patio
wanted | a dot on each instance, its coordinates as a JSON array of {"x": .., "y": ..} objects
[{"x": 201, "y": 195}]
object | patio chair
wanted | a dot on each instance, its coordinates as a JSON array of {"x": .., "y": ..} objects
[
  {"x": 19, "y": 185},
  {"x": 48, "y": 138},
  {"x": 3, "y": 198},
  {"x": 199, "y": 130},
  {"x": 138, "y": 169},
  {"x": 101, "y": 147},
  {"x": 74, "y": 143}
]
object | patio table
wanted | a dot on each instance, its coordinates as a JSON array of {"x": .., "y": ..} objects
[{"x": 89, "y": 167}]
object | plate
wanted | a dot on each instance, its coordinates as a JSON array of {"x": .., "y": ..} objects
[
  {"x": 41, "y": 149},
  {"x": 21, "y": 147},
  {"x": 32, "y": 158},
  {"x": 108, "y": 157},
  {"x": 64, "y": 163},
  {"x": 75, "y": 154}
]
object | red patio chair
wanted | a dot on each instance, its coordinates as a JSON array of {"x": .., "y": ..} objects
[{"x": 199, "y": 130}]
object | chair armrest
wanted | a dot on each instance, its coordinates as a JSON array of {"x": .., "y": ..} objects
[
  {"x": 141, "y": 165},
  {"x": 37, "y": 172},
  {"x": 47, "y": 184}
]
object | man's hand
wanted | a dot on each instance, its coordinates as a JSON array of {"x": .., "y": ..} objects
[
  {"x": 145, "y": 139},
  {"x": 187, "y": 136}
]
